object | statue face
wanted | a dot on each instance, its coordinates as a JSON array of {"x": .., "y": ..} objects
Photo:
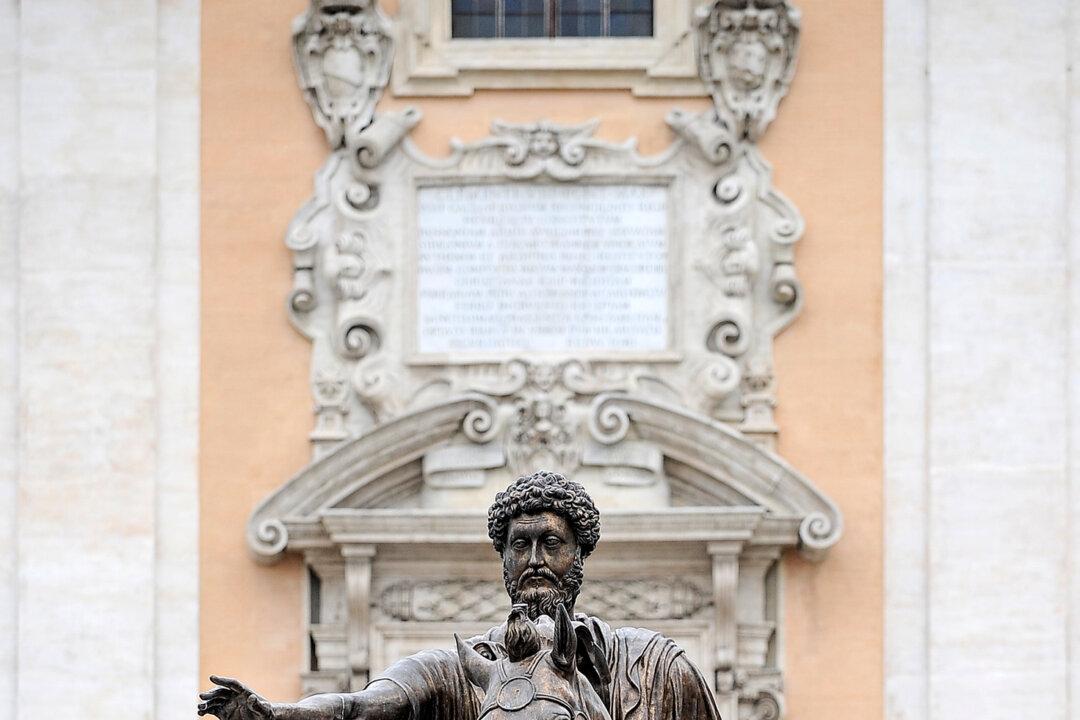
[
  {"x": 543, "y": 143},
  {"x": 541, "y": 553}
]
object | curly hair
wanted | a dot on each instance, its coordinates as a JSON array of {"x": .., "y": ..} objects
[{"x": 545, "y": 492}]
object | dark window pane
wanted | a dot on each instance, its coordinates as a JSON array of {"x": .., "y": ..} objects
[
  {"x": 524, "y": 18},
  {"x": 574, "y": 7},
  {"x": 621, "y": 6},
  {"x": 474, "y": 26},
  {"x": 581, "y": 18},
  {"x": 524, "y": 7},
  {"x": 474, "y": 7},
  {"x": 631, "y": 25},
  {"x": 581, "y": 25},
  {"x": 474, "y": 18},
  {"x": 524, "y": 26},
  {"x": 489, "y": 27},
  {"x": 464, "y": 26}
]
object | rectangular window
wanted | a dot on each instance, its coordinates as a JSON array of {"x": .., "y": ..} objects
[
  {"x": 474, "y": 19},
  {"x": 454, "y": 47}
]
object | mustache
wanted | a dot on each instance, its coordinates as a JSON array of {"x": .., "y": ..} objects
[{"x": 541, "y": 572}]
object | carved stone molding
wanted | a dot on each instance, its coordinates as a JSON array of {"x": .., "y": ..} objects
[
  {"x": 343, "y": 50},
  {"x": 781, "y": 507},
  {"x": 746, "y": 57},
  {"x": 745, "y": 465}
]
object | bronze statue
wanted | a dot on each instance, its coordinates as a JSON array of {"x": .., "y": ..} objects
[{"x": 540, "y": 664}]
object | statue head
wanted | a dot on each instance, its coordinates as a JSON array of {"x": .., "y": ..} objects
[{"x": 543, "y": 526}]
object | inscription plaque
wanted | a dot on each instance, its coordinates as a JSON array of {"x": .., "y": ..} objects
[{"x": 538, "y": 267}]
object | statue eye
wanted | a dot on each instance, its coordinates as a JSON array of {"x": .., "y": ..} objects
[
  {"x": 553, "y": 541},
  {"x": 520, "y": 544}
]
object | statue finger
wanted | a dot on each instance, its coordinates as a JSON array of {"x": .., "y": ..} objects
[
  {"x": 213, "y": 705},
  {"x": 229, "y": 683},
  {"x": 217, "y": 692}
]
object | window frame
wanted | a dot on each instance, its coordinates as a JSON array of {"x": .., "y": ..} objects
[
  {"x": 430, "y": 62},
  {"x": 551, "y": 12}
]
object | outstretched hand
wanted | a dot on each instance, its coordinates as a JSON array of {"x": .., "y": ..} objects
[{"x": 232, "y": 700}]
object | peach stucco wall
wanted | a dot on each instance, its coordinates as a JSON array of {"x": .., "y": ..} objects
[{"x": 260, "y": 149}]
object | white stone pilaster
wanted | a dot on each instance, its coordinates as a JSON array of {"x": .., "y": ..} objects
[
  {"x": 176, "y": 606},
  {"x": 106, "y": 351},
  {"x": 998, "y": 337},
  {"x": 87, "y": 366},
  {"x": 1073, "y": 385},
  {"x": 905, "y": 368},
  {"x": 9, "y": 354},
  {"x": 978, "y": 413}
]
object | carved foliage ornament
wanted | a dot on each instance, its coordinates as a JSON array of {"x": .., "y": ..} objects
[
  {"x": 543, "y": 140},
  {"x": 746, "y": 57},
  {"x": 343, "y": 51},
  {"x": 543, "y": 148}
]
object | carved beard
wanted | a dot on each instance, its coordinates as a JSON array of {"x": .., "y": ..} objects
[{"x": 546, "y": 600}]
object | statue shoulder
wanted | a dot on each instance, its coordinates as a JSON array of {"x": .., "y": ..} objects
[{"x": 628, "y": 637}]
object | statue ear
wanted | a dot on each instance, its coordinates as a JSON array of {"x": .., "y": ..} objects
[
  {"x": 564, "y": 653},
  {"x": 477, "y": 667}
]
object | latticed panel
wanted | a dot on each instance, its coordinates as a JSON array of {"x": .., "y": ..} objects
[
  {"x": 474, "y": 601},
  {"x": 465, "y": 601},
  {"x": 666, "y": 599}
]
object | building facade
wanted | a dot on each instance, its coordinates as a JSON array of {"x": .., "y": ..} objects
[{"x": 156, "y": 156}]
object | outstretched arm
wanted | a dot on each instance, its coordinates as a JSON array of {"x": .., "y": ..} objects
[
  {"x": 232, "y": 700},
  {"x": 428, "y": 683},
  {"x": 381, "y": 701}
]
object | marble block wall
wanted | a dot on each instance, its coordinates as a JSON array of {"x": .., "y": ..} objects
[
  {"x": 98, "y": 357},
  {"x": 9, "y": 351},
  {"x": 981, "y": 338}
]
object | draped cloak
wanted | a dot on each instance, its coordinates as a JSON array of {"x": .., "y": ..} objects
[{"x": 639, "y": 674}]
